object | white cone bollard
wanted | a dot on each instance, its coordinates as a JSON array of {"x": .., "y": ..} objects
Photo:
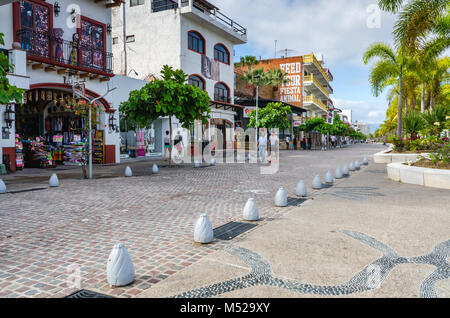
[
  {"x": 301, "y": 189},
  {"x": 351, "y": 167},
  {"x": 281, "y": 198},
  {"x": 213, "y": 162},
  {"x": 251, "y": 210},
  {"x": 317, "y": 184},
  {"x": 2, "y": 187},
  {"x": 357, "y": 165},
  {"x": 329, "y": 177},
  {"x": 54, "y": 182},
  {"x": 128, "y": 172},
  {"x": 120, "y": 268},
  {"x": 203, "y": 231},
  {"x": 346, "y": 171},
  {"x": 339, "y": 174},
  {"x": 196, "y": 164},
  {"x": 155, "y": 169},
  {"x": 366, "y": 161}
]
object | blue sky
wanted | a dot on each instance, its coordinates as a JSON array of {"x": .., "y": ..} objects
[{"x": 339, "y": 29}]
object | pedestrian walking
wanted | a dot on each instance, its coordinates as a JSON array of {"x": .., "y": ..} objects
[
  {"x": 166, "y": 145},
  {"x": 262, "y": 145}
]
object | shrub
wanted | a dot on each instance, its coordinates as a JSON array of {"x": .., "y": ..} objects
[{"x": 442, "y": 154}]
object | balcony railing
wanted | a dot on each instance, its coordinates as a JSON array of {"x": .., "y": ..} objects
[
  {"x": 311, "y": 78},
  {"x": 311, "y": 59},
  {"x": 225, "y": 99},
  {"x": 48, "y": 49},
  {"x": 209, "y": 10},
  {"x": 314, "y": 100},
  {"x": 329, "y": 74}
]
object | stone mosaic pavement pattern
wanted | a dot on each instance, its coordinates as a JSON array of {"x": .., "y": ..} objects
[
  {"x": 371, "y": 277},
  {"x": 44, "y": 233}
]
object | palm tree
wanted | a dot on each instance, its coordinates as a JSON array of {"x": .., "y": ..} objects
[
  {"x": 248, "y": 61},
  {"x": 421, "y": 19},
  {"x": 389, "y": 66}
]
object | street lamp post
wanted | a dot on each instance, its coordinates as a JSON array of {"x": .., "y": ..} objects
[
  {"x": 90, "y": 118},
  {"x": 257, "y": 78}
]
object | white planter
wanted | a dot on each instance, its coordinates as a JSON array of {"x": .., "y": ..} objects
[
  {"x": 155, "y": 169},
  {"x": 128, "y": 172},
  {"x": 120, "y": 268},
  {"x": 387, "y": 157},
  {"x": 434, "y": 178}
]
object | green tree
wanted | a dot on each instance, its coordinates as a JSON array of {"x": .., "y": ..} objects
[
  {"x": 169, "y": 96},
  {"x": 8, "y": 93},
  {"x": 390, "y": 65},
  {"x": 248, "y": 61},
  {"x": 274, "y": 115}
]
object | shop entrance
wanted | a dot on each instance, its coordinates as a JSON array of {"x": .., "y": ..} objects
[{"x": 50, "y": 133}]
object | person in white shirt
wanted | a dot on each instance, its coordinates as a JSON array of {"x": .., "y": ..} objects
[
  {"x": 273, "y": 145},
  {"x": 333, "y": 141},
  {"x": 262, "y": 144}
]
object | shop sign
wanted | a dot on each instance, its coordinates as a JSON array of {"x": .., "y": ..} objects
[
  {"x": 247, "y": 111},
  {"x": 291, "y": 92},
  {"x": 296, "y": 117},
  {"x": 58, "y": 138},
  {"x": 297, "y": 123}
]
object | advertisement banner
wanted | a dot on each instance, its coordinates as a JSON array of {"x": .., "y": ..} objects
[{"x": 247, "y": 111}]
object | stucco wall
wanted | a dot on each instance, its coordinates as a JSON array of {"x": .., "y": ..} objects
[{"x": 157, "y": 38}]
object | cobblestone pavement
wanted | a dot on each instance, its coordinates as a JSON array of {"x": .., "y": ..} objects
[{"x": 47, "y": 235}]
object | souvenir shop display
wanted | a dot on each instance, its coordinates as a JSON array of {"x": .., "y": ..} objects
[
  {"x": 50, "y": 132},
  {"x": 75, "y": 153},
  {"x": 98, "y": 155},
  {"x": 19, "y": 153}
]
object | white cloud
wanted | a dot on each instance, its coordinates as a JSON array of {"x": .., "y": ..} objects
[
  {"x": 368, "y": 112},
  {"x": 336, "y": 28}
]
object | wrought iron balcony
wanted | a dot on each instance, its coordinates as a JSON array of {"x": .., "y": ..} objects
[{"x": 45, "y": 48}]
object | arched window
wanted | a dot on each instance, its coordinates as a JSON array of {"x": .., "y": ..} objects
[
  {"x": 196, "y": 42},
  {"x": 221, "y": 54},
  {"x": 221, "y": 93},
  {"x": 195, "y": 80}
]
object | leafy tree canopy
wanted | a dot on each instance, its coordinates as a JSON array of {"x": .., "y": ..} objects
[
  {"x": 274, "y": 115},
  {"x": 8, "y": 93},
  {"x": 169, "y": 96}
]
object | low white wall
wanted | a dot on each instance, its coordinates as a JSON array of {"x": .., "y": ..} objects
[
  {"x": 434, "y": 178},
  {"x": 387, "y": 157}
]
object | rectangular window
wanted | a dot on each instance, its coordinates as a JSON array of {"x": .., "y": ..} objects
[
  {"x": 116, "y": 40},
  {"x": 92, "y": 44},
  {"x": 34, "y": 28},
  {"x": 130, "y": 38},
  {"x": 134, "y": 3}
]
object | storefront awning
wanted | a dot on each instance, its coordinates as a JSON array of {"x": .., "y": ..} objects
[{"x": 225, "y": 105}]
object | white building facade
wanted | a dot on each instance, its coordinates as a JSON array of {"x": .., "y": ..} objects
[
  {"x": 191, "y": 35},
  {"x": 56, "y": 44}
]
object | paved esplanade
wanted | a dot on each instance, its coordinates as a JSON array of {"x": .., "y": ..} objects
[{"x": 331, "y": 245}]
